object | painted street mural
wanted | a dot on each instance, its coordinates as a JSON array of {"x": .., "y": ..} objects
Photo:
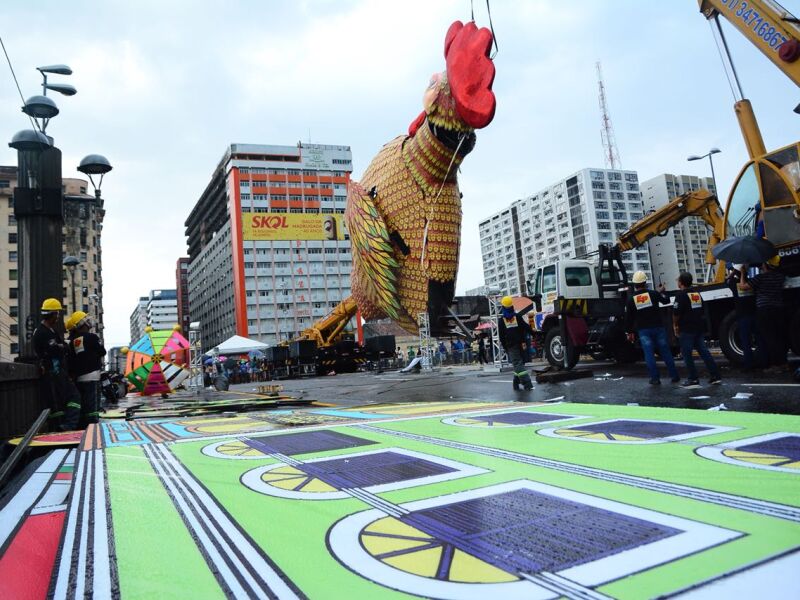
[{"x": 443, "y": 500}]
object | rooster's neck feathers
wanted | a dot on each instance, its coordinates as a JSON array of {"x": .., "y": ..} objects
[{"x": 428, "y": 160}]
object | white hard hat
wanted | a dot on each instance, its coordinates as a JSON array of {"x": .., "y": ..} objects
[
  {"x": 737, "y": 267},
  {"x": 639, "y": 277}
]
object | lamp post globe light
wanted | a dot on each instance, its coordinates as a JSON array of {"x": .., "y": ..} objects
[
  {"x": 708, "y": 154},
  {"x": 71, "y": 262}
]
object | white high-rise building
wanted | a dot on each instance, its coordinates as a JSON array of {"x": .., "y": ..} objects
[
  {"x": 567, "y": 219},
  {"x": 158, "y": 310},
  {"x": 138, "y": 319},
  {"x": 683, "y": 248},
  {"x": 269, "y": 289}
]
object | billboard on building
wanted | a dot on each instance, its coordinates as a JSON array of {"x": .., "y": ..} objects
[{"x": 289, "y": 226}]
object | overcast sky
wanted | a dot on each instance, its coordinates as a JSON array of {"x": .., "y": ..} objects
[{"x": 164, "y": 86}]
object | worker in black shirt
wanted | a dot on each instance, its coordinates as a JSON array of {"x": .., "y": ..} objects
[
  {"x": 688, "y": 319},
  {"x": 48, "y": 344},
  {"x": 512, "y": 329},
  {"x": 768, "y": 286},
  {"x": 86, "y": 354},
  {"x": 745, "y": 307},
  {"x": 643, "y": 315}
]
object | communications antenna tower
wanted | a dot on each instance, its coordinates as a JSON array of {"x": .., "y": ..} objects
[{"x": 610, "y": 152}]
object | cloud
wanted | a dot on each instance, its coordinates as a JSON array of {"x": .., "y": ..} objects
[{"x": 163, "y": 87}]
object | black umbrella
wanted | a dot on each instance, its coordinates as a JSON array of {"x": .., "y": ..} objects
[{"x": 746, "y": 250}]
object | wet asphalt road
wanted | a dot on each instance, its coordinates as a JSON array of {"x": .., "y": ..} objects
[{"x": 610, "y": 384}]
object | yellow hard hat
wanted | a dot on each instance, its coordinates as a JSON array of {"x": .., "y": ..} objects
[
  {"x": 774, "y": 261},
  {"x": 51, "y": 305},
  {"x": 75, "y": 319},
  {"x": 639, "y": 277},
  {"x": 124, "y": 350},
  {"x": 507, "y": 301}
]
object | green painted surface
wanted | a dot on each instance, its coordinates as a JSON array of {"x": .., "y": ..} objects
[
  {"x": 156, "y": 556},
  {"x": 293, "y": 532}
]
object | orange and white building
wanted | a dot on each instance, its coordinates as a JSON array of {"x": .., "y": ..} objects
[{"x": 268, "y": 252}]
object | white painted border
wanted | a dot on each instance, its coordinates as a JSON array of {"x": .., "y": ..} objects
[
  {"x": 252, "y": 478},
  {"x": 344, "y": 541},
  {"x": 452, "y": 420},
  {"x": 716, "y": 452},
  {"x": 711, "y": 430}
]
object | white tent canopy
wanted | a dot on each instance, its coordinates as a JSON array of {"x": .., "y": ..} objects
[{"x": 240, "y": 345}]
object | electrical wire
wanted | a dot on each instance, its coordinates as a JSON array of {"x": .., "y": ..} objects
[{"x": 34, "y": 123}]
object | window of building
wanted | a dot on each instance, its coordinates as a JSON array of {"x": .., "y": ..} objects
[
  {"x": 12, "y": 256},
  {"x": 597, "y": 175},
  {"x": 619, "y": 216},
  {"x": 614, "y": 176},
  {"x": 598, "y": 185},
  {"x": 12, "y": 238},
  {"x": 12, "y": 274},
  {"x": 602, "y": 214},
  {"x": 631, "y": 177},
  {"x": 5, "y": 183},
  {"x": 599, "y": 195},
  {"x": 13, "y": 292}
]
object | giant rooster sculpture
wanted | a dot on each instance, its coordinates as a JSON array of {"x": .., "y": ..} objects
[{"x": 404, "y": 216}]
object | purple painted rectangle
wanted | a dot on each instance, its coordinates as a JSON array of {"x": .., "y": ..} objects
[
  {"x": 641, "y": 429},
  {"x": 373, "y": 469},
  {"x": 518, "y": 418},
  {"x": 787, "y": 446},
  {"x": 531, "y": 532},
  {"x": 305, "y": 442}
]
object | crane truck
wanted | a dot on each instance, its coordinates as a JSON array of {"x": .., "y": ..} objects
[{"x": 580, "y": 303}]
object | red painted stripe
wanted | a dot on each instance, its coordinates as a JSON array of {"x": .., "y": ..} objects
[
  {"x": 27, "y": 564},
  {"x": 65, "y": 476}
]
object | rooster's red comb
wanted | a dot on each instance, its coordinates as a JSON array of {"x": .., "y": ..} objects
[{"x": 470, "y": 72}]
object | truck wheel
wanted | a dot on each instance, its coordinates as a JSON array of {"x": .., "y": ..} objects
[
  {"x": 554, "y": 350},
  {"x": 794, "y": 333},
  {"x": 729, "y": 341}
]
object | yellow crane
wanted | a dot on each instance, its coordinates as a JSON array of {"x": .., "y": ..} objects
[{"x": 765, "y": 197}]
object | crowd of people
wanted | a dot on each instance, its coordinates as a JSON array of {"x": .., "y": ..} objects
[{"x": 70, "y": 369}]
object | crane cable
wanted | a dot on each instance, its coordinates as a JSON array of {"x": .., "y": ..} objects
[{"x": 34, "y": 123}]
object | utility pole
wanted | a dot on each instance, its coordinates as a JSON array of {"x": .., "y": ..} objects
[
  {"x": 38, "y": 208},
  {"x": 610, "y": 152}
]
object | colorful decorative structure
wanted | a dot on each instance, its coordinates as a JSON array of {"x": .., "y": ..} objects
[
  {"x": 404, "y": 216},
  {"x": 465, "y": 500},
  {"x": 159, "y": 362}
]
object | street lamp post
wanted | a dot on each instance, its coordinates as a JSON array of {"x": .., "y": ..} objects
[
  {"x": 709, "y": 154},
  {"x": 71, "y": 262},
  {"x": 38, "y": 209},
  {"x": 97, "y": 164}
]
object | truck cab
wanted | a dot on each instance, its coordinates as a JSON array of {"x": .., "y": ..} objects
[{"x": 592, "y": 299}]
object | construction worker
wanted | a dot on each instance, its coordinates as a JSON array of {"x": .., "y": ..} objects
[
  {"x": 48, "y": 344},
  {"x": 512, "y": 329},
  {"x": 643, "y": 315},
  {"x": 745, "y": 305},
  {"x": 86, "y": 354},
  {"x": 768, "y": 286},
  {"x": 688, "y": 320}
]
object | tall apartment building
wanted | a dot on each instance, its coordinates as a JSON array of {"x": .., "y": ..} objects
[
  {"x": 138, "y": 319},
  {"x": 83, "y": 224},
  {"x": 158, "y": 310},
  {"x": 683, "y": 248},
  {"x": 567, "y": 219},
  {"x": 269, "y": 289},
  {"x": 182, "y": 287}
]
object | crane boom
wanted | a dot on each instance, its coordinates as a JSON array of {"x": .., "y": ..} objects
[
  {"x": 700, "y": 203},
  {"x": 769, "y": 27}
]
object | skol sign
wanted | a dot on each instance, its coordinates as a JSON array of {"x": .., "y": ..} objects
[{"x": 289, "y": 226}]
